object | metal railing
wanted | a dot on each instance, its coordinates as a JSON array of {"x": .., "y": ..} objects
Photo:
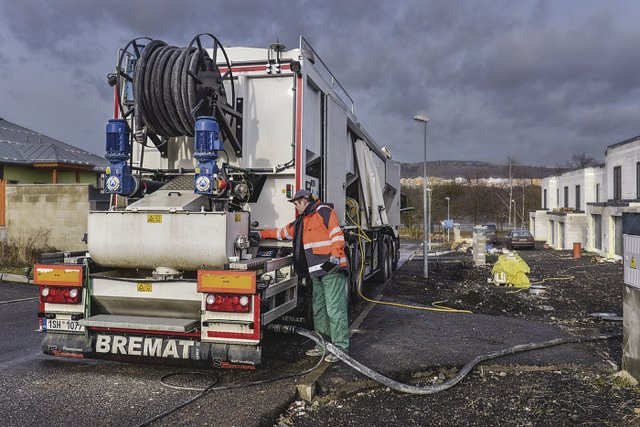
[{"x": 307, "y": 51}]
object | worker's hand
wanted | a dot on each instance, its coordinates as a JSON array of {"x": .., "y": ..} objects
[
  {"x": 255, "y": 237},
  {"x": 334, "y": 260}
]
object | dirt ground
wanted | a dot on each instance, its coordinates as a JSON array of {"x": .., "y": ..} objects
[{"x": 506, "y": 395}]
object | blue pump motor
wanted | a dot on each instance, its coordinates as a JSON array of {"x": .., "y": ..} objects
[
  {"x": 207, "y": 146},
  {"x": 119, "y": 179}
]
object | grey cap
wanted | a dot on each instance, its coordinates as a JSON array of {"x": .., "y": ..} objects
[{"x": 301, "y": 194}]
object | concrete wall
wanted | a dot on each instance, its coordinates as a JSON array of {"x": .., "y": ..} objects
[
  {"x": 610, "y": 234},
  {"x": 599, "y": 186},
  {"x": 550, "y": 184},
  {"x": 563, "y": 230},
  {"x": 586, "y": 178},
  {"x": 539, "y": 225},
  {"x": 57, "y": 212},
  {"x": 625, "y": 156},
  {"x": 18, "y": 174}
]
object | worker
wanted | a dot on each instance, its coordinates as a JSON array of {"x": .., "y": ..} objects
[{"x": 318, "y": 255}]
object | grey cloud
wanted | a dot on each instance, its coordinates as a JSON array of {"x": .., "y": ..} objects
[{"x": 538, "y": 79}]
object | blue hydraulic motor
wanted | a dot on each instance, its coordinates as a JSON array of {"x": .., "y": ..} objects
[
  {"x": 119, "y": 179},
  {"x": 207, "y": 146}
]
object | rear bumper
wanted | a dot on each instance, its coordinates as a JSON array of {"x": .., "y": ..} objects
[
  {"x": 151, "y": 348},
  {"x": 522, "y": 244}
]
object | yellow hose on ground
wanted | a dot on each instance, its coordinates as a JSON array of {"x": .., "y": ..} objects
[
  {"x": 553, "y": 278},
  {"x": 353, "y": 209}
]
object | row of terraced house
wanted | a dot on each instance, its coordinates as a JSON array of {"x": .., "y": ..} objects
[{"x": 586, "y": 205}]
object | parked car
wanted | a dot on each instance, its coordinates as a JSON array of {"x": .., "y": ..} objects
[
  {"x": 492, "y": 233},
  {"x": 520, "y": 239}
]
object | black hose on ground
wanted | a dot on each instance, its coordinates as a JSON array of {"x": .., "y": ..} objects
[{"x": 411, "y": 389}]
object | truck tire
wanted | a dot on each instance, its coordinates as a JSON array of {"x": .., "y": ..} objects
[
  {"x": 384, "y": 271},
  {"x": 395, "y": 255},
  {"x": 354, "y": 270}
]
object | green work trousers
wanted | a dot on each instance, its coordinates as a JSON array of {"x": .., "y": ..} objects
[{"x": 330, "y": 315}]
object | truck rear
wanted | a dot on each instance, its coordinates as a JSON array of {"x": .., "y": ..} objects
[{"x": 207, "y": 144}]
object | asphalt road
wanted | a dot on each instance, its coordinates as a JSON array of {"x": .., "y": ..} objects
[{"x": 39, "y": 389}]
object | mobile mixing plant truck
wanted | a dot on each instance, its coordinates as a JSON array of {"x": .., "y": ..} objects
[{"x": 207, "y": 144}]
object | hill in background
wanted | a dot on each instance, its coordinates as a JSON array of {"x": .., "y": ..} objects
[{"x": 450, "y": 169}]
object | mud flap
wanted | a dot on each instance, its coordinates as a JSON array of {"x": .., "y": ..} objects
[
  {"x": 66, "y": 345},
  {"x": 223, "y": 354}
]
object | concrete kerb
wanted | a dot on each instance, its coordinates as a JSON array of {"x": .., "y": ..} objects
[
  {"x": 15, "y": 278},
  {"x": 309, "y": 383}
]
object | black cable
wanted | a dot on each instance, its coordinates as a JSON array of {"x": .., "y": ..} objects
[{"x": 212, "y": 387}]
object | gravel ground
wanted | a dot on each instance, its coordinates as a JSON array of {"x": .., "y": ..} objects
[{"x": 570, "y": 394}]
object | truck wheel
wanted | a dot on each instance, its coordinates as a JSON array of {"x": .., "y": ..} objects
[
  {"x": 385, "y": 266},
  {"x": 354, "y": 271},
  {"x": 395, "y": 255}
]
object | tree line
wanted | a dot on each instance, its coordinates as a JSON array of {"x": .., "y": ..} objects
[{"x": 471, "y": 203}]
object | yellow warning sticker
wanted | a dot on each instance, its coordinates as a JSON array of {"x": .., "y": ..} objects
[
  {"x": 145, "y": 287},
  {"x": 632, "y": 264},
  {"x": 154, "y": 218}
]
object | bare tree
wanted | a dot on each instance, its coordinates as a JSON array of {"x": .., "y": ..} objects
[
  {"x": 582, "y": 160},
  {"x": 511, "y": 162}
]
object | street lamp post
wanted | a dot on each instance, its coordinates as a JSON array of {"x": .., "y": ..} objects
[
  {"x": 429, "y": 218},
  {"x": 515, "y": 220},
  {"x": 425, "y": 270},
  {"x": 448, "y": 224}
]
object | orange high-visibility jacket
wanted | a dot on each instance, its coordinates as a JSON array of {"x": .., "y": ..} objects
[{"x": 322, "y": 238}]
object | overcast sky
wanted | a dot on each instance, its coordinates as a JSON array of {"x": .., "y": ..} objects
[{"x": 538, "y": 80}]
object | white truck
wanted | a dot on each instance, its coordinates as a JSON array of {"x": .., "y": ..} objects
[{"x": 206, "y": 145}]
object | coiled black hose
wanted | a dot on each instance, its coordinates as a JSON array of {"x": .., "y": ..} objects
[{"x": 173, "y": 86}]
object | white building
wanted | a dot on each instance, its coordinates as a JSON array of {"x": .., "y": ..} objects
[
  {"x": 622, "y": 191},
  {"x": 563, "y": 218},
  {"x": 585, "y": 206}
]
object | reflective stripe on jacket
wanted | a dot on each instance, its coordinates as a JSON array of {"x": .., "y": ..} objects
[{"x": 322, "y": 238}]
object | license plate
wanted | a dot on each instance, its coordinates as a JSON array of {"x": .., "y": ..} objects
[
  {"x": 522, "y": 240},
  {"x": 61, "y": 325}
]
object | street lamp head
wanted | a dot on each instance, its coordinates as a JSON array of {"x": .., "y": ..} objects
[
  {"x": 421, "y": 118},
  {"x": 447, "y": 198}
]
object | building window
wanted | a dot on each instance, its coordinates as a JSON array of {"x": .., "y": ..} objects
[
  {"x": 544, "y": 199},
  {"x": 617, "y": 182},
  {"x": 637, "y": 180},
  {"x": 566, "y": 197},
  {"x": 597, "y": 193},
  {"x": 557, "y": 197},
  {"x": 578, "y": 198}
]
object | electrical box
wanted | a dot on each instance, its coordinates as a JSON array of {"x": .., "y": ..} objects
[{"x": 631, "y": 294}]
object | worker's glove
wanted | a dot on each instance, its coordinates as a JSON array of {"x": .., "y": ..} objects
[
  {"x": 255, "y": 237},
  {"x": 334, "y": 260}
]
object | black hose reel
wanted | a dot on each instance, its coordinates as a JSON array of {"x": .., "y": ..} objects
[{"x": 174, "y": 86}]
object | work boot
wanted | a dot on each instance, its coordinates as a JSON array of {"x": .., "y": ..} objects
[
  {"x": 331, "y": 358},
  {"x": 314, "y": 352}
]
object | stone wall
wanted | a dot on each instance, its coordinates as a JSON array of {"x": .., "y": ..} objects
[{"x": 55, "y": 213}]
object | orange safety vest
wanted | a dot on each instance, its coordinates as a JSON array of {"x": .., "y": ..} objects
[{"x": 322, "y": 238}]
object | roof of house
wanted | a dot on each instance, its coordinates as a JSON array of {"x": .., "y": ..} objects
[
  {"x": 626, "y": 141},
  {"x": 21, "y": 146}
]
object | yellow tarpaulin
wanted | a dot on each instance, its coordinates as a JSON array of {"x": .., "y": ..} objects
[{"x": 514, "y": 268}]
